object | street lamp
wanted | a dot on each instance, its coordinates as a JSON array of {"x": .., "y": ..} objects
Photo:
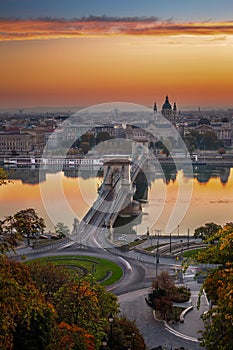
[
  {"x": 157, "y": 253},
  {"x": 104, "y": 343},
  {"x": 133, "y": 337},
  {"x": 111, "y": 320}
]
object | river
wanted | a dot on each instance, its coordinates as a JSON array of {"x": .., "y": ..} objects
[{"x": 62, "y": 196}]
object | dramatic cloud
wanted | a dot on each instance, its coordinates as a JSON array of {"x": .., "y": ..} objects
[{"x": 46, "y": 28}]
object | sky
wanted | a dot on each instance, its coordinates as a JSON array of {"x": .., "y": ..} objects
[{"x": 80, "y": 53}]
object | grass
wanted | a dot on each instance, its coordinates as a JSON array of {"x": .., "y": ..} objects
[
  {"x": 153, "y": 247},
  {"x": 192, "y": 253},
  {"x": 137, "y": 242},
  {"x": 105, "y": 271}
]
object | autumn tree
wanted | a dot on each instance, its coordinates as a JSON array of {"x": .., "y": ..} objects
[
  {"x": 218, "y": 284},
  {"x": 26, "y": 320},
  {"x": 49, "y": 278},
  {"x": 71, "y": 337},
  {"x": 126, "y": 335},
  {"x": 78, "y": 300},
  {"x": 164, "y": 293}
]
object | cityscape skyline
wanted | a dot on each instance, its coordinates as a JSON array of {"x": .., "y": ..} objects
[{"x": 80, "y": 54}]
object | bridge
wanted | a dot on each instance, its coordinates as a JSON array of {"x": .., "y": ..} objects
[{"x": 115, "y": 194}]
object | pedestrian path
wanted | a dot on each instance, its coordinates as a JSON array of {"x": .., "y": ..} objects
[
  {"x": 193, "y": 323},
  {"x": 189, "y": 330}
]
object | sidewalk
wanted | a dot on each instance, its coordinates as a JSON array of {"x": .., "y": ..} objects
[{"x": 192, "y": 324}]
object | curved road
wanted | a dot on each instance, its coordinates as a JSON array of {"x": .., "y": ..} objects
[{"x": 131, "y": 293}]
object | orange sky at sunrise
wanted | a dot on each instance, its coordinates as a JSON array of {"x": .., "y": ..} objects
[{"x": 42, "y": 65}]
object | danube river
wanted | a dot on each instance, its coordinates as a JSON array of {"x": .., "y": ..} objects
[{"x": 207, "y": 196}]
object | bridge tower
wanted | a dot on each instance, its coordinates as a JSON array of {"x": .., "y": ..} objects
[
  {"x": 140, "y": 148},
  {"x": 117, "y": 170}
]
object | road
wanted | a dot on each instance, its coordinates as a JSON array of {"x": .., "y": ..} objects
[{"x": 131, "y": 291}]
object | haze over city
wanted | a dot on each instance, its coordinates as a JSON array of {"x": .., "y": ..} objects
[{"x": 74, "y": 53}]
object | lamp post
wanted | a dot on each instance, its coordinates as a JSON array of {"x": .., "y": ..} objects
[
  {"x": 104, "y": 343},
  {"x": 157, "y": 253},
  {"x": 111, "y": 320},
  {"x": 170, "y": 242},
  {"x": 133, "y": 340}
]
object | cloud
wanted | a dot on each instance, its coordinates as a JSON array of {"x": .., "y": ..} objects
[{"x": 49, "y": 27}]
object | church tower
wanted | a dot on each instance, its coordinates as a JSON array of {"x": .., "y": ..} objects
[{"x": 168, "y": 112}]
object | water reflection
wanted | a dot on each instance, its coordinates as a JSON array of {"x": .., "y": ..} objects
[
  {"x": 211, "y": 200},
  {"x": 203, "y": 173}
]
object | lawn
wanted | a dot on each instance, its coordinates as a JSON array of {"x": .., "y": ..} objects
[
  {"x": 105, "y": 271},
  {"x": 192, "y": 253}
]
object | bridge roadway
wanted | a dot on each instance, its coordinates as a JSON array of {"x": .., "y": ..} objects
[{"x": 106, "y": 208}]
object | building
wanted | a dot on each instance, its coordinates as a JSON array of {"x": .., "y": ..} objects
[
  {"x": 15, "y": 142},
  {"x": 168, "y": 112}
]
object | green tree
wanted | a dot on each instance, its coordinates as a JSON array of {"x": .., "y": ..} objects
[
  {"x": 9, "y": 238},
  {"x": 3, "y": 177},
  {"x": 206, "y": 231},
  {"x": 62, "y": 230},
  {"x": 27, "y": 223}
]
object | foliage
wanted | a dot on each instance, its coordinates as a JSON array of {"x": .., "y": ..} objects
[
  {"x": 26, "y": 320},
  {"x": 102, "y": 136},
  {"x": 126, "y": 335},
  {"x": 180, "y": 294},
  {"x": 8, "y": 237},
  {"x": 49, "y": 278},
  {"x": 218, "y": 285},
  {"x": 78, "y": 300},
  {"x": 164, "y": 293},
  {"x": 3, "y": 177},
  {"x": 62, "y": 230},
  {"x": 206, "y": 231},
  {"x": 71, "y": 337},
  {"x": 85, "y": 147},
  {"x": 204, "y": 141}
]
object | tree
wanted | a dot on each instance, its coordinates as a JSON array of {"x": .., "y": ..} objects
[
  {"x": 3, "y": 177},
  {"x": 78, "y": 300},
  {"x": 126, "y": 335},
  {"x": 62, "y": 230},
  {"x": 27, "y": 223},
  {"x": 71, "y": 337},
  {"x": 8, "y": 236},
  {"x": 206, "y": 231},
  {"x": 49, "y": 278},
  {"x": 102, "y": 136},
  {"x": 26, "y": 320},
  {"x": 85, "y": 147},
  {"x": 164, "y": 293},
  {"x": 218, "y": 284},
  {"x": 77, "y": 303}
]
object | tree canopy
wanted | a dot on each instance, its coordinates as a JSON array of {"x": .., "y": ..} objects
[{"x": 218, "y": 284}]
